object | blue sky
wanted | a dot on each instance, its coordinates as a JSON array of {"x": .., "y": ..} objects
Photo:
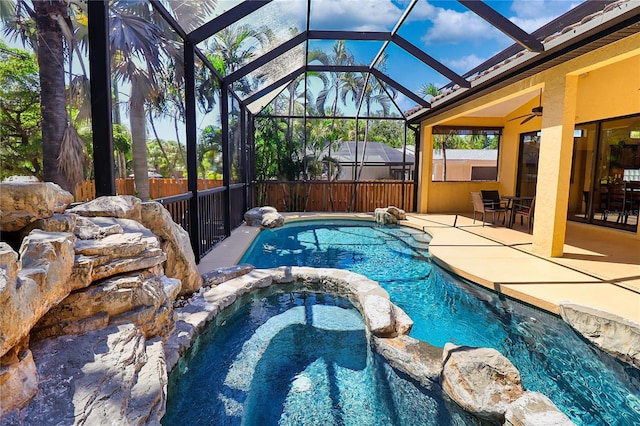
[{"x": 446, "y": 30}]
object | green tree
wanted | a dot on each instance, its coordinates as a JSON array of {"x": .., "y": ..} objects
[
  {"x": 389, "y": 132},
  {"x": 209, "y": 152},
  {"x": 369, "y": 91},
  {"x": 148, "y": 55},
  {"x": 20, "y": 139},
  {"x": 165, "y": 157},
  {"x": 429, "y": 89},
  {"x": 47, "y": 27}
]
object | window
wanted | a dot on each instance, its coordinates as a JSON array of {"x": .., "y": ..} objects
[{"x": 462, "y": 154}]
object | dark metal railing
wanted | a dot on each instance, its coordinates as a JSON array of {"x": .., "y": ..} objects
[
  {"x": 211, "y": 212},
  {"x": 238, "y": 207},
  {"x": 178, "y": 206}
]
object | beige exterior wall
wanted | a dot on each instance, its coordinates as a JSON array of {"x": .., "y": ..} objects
[{"x": 604, "y": 83}]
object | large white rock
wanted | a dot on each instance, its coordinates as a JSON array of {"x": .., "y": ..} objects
[
  {"x": 44, "y": 280},
  {"x": 111, "y": 376},
  {"x": 181, "y": 261},
  {"x": 111, "y": 255},
  {"x": 226, "y": 273},
  {"x": 9, "y": 265},
  {"x": 535, "y": 409},
  {"x": 18, "y": 378},
  {"x": 265, "y": 217},
  {"x": 137, "y": 297},
  {"x": 480, "y": 380},
  {"x": 24, "y": 202},
  {"x": 612, "y": 333},
  {"x": 120, "y": 206},
  {"x": 383, "y": 217},
  {"x": 418, "y": 359},
  {"x": 378, "y": 314}
]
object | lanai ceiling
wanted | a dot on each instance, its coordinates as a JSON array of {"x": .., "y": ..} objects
[{"x": 401, "y": 45}]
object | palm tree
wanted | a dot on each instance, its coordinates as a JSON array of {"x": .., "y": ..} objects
[
  {"x": 233, "y": 47},
  {"x": 358, "y": 86},
  {"x": 141, "y": 52},
  {"x": 340, "y": 55},
  {"x": 429, "y": 89},
  {"x": 43, "y": 25}
]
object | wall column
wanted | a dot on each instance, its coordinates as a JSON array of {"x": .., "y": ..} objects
[
  {"x": 554, "y": 170},
  {"x": 425, "y": 164}
]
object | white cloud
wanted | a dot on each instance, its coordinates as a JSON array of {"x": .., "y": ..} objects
[
  {"x": 422, "y": 10},
  {"x": 367, "y": 15},
  {"x": 535, "y": 9},
  {"x": 464, "y": 63},
  {"x": 533, "y": 14},
  {"x": 450, "y": 26}
]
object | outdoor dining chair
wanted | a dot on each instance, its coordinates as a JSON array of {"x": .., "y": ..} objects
[
  {"x": 525, "y": 210},
  {"x": 480, "y": 207}
]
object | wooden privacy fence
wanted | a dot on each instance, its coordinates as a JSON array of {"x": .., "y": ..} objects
[
  {"x": 158, "y": 188},
  {"x": 336, "y": 196}
]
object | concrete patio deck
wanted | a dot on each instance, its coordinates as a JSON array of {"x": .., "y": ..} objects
[{"x": 597, "y": 269}]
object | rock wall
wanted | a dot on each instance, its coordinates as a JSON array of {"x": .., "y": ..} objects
[
  {"x": 618, "y": 336},
  {"x": 79, "y": 273}
]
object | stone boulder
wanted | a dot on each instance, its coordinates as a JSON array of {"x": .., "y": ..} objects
[
  {"x": 220, "y": 275},
  {"x": 10, "y": 265},
  {"x": 383, "y": 217},
  {"x": 389, "y": 215},
  {"x": 418, "y": 359},
  {"x": 141, "y": 298},
  {"x": 175, "y": 242},
  {"x": 480, "y": 380},
  {"x": 18, "y": 378},
  {"x": 43, "y": 280},
  {"x": 535, "y": 409},
  {"x": 109, "y": 376},
  {"x": 265, "y": 217},
  {"x": 614, "y": 334},
  {"x": 379, "y": 315},
  {"x": 118, "y": 206},
  {"x": 24, "y": 202},
  {"x": 135, "y": 248},
  {"x": 396, "y": 212}
]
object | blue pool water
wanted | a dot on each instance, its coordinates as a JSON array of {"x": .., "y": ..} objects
[
  {"x": 296, "y": 359},
  {"x": 588, "y": 385}
]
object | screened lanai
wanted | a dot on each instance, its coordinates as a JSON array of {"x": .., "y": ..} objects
[{"x": 257, "y": 91}]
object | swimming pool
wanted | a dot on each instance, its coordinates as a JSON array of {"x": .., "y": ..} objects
[
  {"x": 588, "y": 385},
  {"x": 296, "y": 358}
]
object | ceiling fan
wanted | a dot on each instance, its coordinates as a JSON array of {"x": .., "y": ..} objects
[{"x": 535, "y": 112}]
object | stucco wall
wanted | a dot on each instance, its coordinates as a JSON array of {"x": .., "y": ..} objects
[{"x": 608, "y": 86}]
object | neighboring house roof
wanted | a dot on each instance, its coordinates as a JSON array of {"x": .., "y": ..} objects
[
  {"x": 467, "y": 154},
  {"x": 376, "y": 154}
]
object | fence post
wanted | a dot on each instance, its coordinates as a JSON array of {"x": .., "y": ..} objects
[{"x": 192, "y": 145}]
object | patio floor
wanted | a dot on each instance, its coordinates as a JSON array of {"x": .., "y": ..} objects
[{"x": 598, "y": 269}]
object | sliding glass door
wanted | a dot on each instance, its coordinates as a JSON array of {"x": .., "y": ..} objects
[
  {"x": 528, "y": 164},
  {"x": 605, "y": 174}
]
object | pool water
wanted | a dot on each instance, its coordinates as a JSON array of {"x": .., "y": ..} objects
[
  {"x": 296, "y": 359},
  {"x": 590, "y": 386}
]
